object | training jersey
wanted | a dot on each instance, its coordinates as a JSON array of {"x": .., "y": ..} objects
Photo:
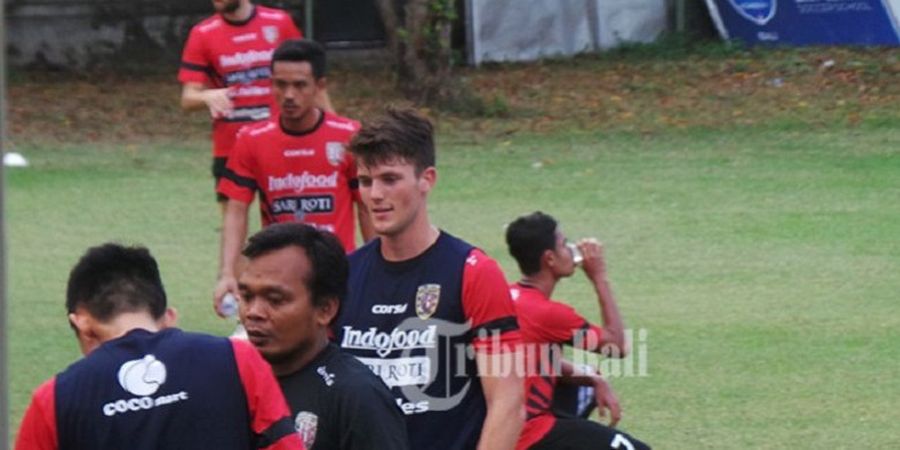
[
  {"x": 545, "y": 325},
  {"x": 415, "y": 323},
  {"x": 307, "y": 177},
  {"x": 237, "y": 55},
  {"x": 168, "y": 389},
  {"x": 338, "y": 404}
]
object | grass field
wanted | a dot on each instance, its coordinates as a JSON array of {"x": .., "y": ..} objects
[{"x": 761, "y": 256}]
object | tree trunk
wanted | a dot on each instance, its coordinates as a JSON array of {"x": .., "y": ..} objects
[{"x": 418, "y": 36}]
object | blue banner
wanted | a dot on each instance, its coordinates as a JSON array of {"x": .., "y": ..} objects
[{"x": 806, "y": 22}]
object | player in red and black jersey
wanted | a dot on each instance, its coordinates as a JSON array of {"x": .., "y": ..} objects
[
  {"x": 297, "y": 162},
  {"x": 426, "y": 311},
  {"x": 225, "y": 69},
  {"x": 145, "y": 385},
  {"x": 541, "y": 251}
]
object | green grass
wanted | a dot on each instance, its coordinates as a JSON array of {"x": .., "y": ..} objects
[{"x": 762, "y": 262}]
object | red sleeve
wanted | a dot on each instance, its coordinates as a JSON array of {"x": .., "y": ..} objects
[
  {"x": 290, "y": 29},
  {"x": 352, "y": 176},
  {"x": 270, "y": 416},
  {"x": 38, "y": 429},
  {"x": 239, "y": 182},
  {"x": 561, "y": 323},
  {"x": 487, "y": 304},
  {"x": 194, "y": 64}
]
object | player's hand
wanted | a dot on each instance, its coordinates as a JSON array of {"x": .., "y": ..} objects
[
  {"x": 594, "y": 265},
  {"x": 218, "y": 101},
  {"x": 226, "y": 284},
  {"x": 607, "y": 401}
]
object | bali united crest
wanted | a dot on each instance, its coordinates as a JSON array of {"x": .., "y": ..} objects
[
  {"x": 759, "y": 12},
  {"x": 427, "y": 298},
  {"x": 270, "y": 32},
  {"x": 306, "y": 425},
  {"x": 335, "y": 152}
]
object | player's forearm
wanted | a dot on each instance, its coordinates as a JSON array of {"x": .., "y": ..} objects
[
  {"x": 578, "y": 375},
  {"x": 613, "y": 327},
  {"x": 504, "y": 395},
  {"x": 192, "y": 98},
  {"x": 503, "y": 424},
  {"x": 234, "y": 232}
]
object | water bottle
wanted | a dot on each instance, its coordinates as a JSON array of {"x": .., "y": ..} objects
[{"x": 229, "y": 306}]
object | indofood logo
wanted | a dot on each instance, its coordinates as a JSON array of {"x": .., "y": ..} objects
[
  {"x": 759, "y": 12},
  {"x": 302, "y": 181},
  {"x": 142, "y": 378}
]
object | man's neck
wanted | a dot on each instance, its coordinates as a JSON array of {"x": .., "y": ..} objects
[
  {"x": 123, "y": 324},
  {"x": 412, "y": 242},
  {"x": 304, "y": 124},
  {"x": 241, "y": 14},
  {"x": 303, "y": 358},
  {"x": 542, "y": 281}
]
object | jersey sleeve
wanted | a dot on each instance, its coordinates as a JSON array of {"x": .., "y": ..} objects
[
  {"x": 238, "y": 182},
  {"x": 38, "y": 428},
  {"x": 269, "y": 413},
  {"x": 487, "y": 305},
  {"x": 561, "y": 323},
  {"x": 370, "y": 419},
  {"x": 290, "y": 29},
  {"x": 195, "y": 67},
  {"x": 352, "y": 176}
]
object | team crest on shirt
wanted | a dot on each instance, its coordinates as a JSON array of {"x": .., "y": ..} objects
[
  {"x": 334, "y": 151},
  {"x": 306, "y": 425},
  {"x": 270, "y": 32},
  {"x": 427, "y": 298}
]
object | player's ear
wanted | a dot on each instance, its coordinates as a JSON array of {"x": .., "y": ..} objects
[
  {"x": 169, "y": 319},
  {"x": 322, "y": 83},
  {"x": 427, "y": 179},
  {"x": 326, "y": 312},
  {"x": 85, "y": 327},
  {"x": 549, "y": 259}
]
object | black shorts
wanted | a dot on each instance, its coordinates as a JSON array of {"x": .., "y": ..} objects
[
  {"x": 218, "y": 171},
  {"x": 582, "y": 434}
]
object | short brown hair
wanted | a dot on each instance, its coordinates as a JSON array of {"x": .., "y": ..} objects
[{"x": 401, "y": 133}]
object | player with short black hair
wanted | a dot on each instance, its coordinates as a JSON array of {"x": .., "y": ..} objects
[
  {"x": 544, "y": 256},
  {"x": 291, "y": 290},
  {"x": 426, "y": 311},
  {"x": 225, "y": 69},
  {"x": 302, "y": 50},
  {"x": 296, "y": 162},
  {"x": 144, "y": 386}
]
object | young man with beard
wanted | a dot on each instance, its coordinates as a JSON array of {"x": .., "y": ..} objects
[
  {"x": 544, "y": 258},
  {"x": 145, "y": 385},
  {"x": 225, "y": 70},
  {"x": 297, "y": 162},
  {"x": 426, "y": 311},
  {"x": 291, "y": 289}
]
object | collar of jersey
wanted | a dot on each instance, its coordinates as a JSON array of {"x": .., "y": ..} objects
[
  {"x": 240, "y": 23},
  {"x": 304, "y": 132},
  {"x": 407, "y": 264}
]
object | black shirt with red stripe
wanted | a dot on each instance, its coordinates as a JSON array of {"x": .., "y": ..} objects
[{"x": 417, "y": 324}]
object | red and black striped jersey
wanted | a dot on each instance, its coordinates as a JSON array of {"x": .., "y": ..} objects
[{"x": 224, "y": 54}]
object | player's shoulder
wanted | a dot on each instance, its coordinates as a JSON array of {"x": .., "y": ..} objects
[
  {"x": 340, "y": 123},
  {"x": 208, "y": 25},
  {"x": 272, "y": 14}
]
